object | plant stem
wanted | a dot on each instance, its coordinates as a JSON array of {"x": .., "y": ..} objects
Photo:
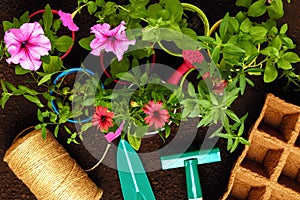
[
  {"x": 78, "y": 9},
  {"x": 184, "y": 76}
]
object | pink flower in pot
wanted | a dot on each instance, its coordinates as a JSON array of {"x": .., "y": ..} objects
[
  {"x": 156, "y": 115},
  {"x": 102, "y": 118},
  {"x": 26, "y": 45},
  {"x": 114, "y": 40}
]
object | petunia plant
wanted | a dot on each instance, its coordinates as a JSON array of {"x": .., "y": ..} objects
[{"x": 127, "y": 36}]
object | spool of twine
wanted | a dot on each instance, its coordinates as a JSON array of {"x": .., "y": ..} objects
[{"x": 47, "y": 169}]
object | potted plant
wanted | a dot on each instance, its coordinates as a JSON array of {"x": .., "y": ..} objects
[{"x": 129, "y": 34}]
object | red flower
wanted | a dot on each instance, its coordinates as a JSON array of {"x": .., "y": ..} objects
[
  {"x": 102, "y": 118},
  {"x": 157, "y": 116},
  {"x": 219, "y": 86}
]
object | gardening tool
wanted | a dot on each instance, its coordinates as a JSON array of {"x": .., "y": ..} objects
[
  {"x": 190, "y": 160},
  {"x": 134, "y": 181},
  {"x": 190, "y": 57}
]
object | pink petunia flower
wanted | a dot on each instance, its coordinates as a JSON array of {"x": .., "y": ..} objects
[
  {"x": 26, "y": 45},
  {"x": 102, "y": 118},
  {"x": 67, "y": 21},
  {"x": 113, "y": 135},
  {"x": 156, "y": 115},
  {"x": 114, "y": 40}
]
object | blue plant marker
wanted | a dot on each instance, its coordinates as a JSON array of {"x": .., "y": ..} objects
[{"x": 134, "y": 181}]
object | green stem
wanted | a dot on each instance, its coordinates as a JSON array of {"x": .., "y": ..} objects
[
  {"x": 78, "y": 9},
  {"x": 169, "y": 52},
  {"x": 125, "y": 9},
  {"x": 185, "y": 75}
]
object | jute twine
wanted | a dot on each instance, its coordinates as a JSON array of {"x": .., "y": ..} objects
[{"x": 47, "y": 169}]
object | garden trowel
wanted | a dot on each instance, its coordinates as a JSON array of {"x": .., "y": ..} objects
[{"x": 134, "y": 181}]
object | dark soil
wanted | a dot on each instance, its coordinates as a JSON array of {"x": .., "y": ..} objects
[{"x": 168, "y": 184}]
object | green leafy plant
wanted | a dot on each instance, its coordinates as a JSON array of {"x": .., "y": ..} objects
[{"x": 252, "y": 43}]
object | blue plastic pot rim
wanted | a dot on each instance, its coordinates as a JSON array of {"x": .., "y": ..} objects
[{"x": 65, "y": 73}]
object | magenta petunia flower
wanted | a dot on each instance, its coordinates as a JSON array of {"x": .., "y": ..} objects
[
  {"x": 26, "y": 45},
  {"x": 67, "y": 21},
  {"x": 114, "y": 40},
  {"x": 102, "y": 118},
  {"x": 156, "y": 115}
]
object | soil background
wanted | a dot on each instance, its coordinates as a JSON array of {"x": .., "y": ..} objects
[{"x": 168, "y": 184}]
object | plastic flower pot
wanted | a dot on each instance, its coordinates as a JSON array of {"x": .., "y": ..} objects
[
  {"x": 151, "y": 130},
  {"x": 61, "y": 75},
  {"x": 55, "y": 12},
  {"x": 118, "y": 81}
]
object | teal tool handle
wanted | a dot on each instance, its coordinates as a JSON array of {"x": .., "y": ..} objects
[{"x": 192, "y": 179}]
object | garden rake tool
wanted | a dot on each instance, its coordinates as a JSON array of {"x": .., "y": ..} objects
[{"x": 190, "y": 161}]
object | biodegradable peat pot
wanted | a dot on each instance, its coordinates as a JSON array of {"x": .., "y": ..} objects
[
  {"x": 47, "y": 169},
  {"x": 270, "y": 167}
]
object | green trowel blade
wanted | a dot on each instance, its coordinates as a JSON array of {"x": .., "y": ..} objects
[{"x": 134, "y": 181}]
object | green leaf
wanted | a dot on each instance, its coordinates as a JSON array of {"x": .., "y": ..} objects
[
  {"x": 275, "y": 10},
  {"x": 270, "y": 73},
  {"x": 167, "y": 131},
  {"x": 44, "y": 132},
  {"x": 119, "y": 66},
  {"x": 92, "y": 7},
  {"x": 276, "y": 42},
  {"x": 28, "y": 90},
  {"x": 4, "y": 99},
  {"x": 246, "y": 25},
  {"x": 270, "y": 51},
  {"x": 257, "y": 9},
  {"x": 40, "y": 115},
  {"x": 45, "y": 79},
  {"x": 291, "y": 57},
  {"x": 57, "y": 25},
  {"x": 224, "y": 26},
  {"x": 3, "y": 86},
  {"x": 191, "y": 90},
  {"x": 234, "y": 146},
  {"x": 283, "y": 64},
  {"x": 10, "y": 86},
  {"x": 24, "y": 18},
  {"x": 175, "y": 9},
  {"x": 110, "y": 8},
  {"x": 241, "y": 129},
  {"x": 242, "y": 83},
  {"x": 34, "y": 99},
  {"x": 232, "y": 115},
  {"x": 7, "y": 25},
  {"x": 100, "y": 3},
  {"x": 258, "y": 33},
  {"x": 85, "y": 42},
  {"x": 47, "y": 19},
  {"x": 244, "y": 3},
  {"x": 63, "y": 43},
  {"x": 54, "y": 65},
  {"x": 283, "y": 28},
  {"x": 134, "y": 141},
  {"x": 20, "y": 71},
  {"x": 56, "y": 130}
]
